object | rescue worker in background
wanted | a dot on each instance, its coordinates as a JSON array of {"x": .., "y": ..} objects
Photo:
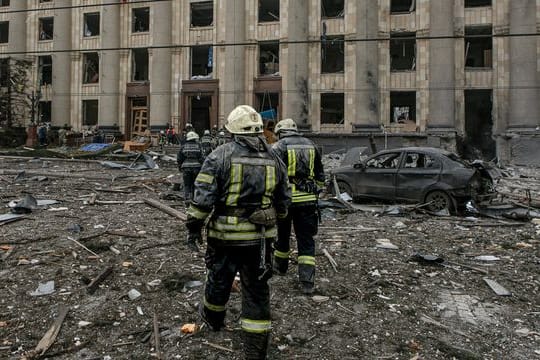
[
  {"x": 190, "y": 159},
  {"x": 306, "y": 177},
  {"x": 206, "y": 143},
  {"x": 222, "y": 139},
  {"x": 246, "y": 187}
]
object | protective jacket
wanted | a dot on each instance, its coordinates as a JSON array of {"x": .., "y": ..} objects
[
  {"x": 190, "y": 156},
  {"x": 206, "y": 144},
  {"x": 236, "y": 179},
  {"x": 304, "y": 166}
]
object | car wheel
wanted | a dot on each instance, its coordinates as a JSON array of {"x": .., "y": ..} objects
[
  {"x": 345, "y": 188},
  {"x": 438, "y": 200}
]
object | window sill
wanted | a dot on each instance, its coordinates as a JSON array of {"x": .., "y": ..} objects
[
  {"x": 90, "y": 84},
  {"x": 44, "y": 41},
  {"x": 135, "y": 33},
  {"x": 91, "y": 37},
  {"x": 195, "y": 28},
  {"x": 393, "y": 71}
]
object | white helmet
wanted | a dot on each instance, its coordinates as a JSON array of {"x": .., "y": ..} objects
[
  {"x": 206, "y": 132},
  {"x": 285, "y": 125},
  {"x": 244, "y": 120},
  {"x": 192, "y": 135}
]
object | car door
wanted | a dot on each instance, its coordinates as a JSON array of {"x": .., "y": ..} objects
[
  {"x": 417, "y": 172},
  {"x": 377, "y": 178}
]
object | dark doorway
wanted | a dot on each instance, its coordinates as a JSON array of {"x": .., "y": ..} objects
[
  {"x": 201, "y": 107},
  {"x": 478, "y": 142}
]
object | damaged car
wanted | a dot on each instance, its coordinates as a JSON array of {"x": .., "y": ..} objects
[{"x": 434, "y": 177}]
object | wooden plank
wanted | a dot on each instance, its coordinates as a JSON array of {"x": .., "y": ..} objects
[
  {"x": 156, "y": 338},
  {"x": 166, "y": 209},
  {"x": 50, "y": 336},
  {"x": 92, "y": 287},
  {"x": 497, "y": 288}
]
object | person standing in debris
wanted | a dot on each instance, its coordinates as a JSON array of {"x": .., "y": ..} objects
[
  {"x": 306, "y": 177},
  {"x": 206, "y": 143},
  {"x": 42, "y": 135},
  {"x": 190, "y": 158},
  {"x": 246, "y": 187}
]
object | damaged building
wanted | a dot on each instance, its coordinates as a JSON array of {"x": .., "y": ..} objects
[{"x": 459, "y": 74}]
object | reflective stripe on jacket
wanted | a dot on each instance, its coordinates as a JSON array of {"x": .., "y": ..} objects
[
  {"x": 191, "y": 155},
  {"x": 233, "y": 178},
  {"x": 304, "y": 166}
]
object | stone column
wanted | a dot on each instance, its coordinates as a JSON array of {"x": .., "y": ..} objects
[
  {"x": 61, "y": 60},
  {"x": 230, "y": 69},
  {"x": 367, "y": 66},
  {"x": 441, "y": 66},
  {"x": 294, "y": 61},
  {"x": 17, "y": 28},
  {"x": 524, "y": 78},
  {"x": 109, "y": 117},
  {"x": 160, "y": 62}
]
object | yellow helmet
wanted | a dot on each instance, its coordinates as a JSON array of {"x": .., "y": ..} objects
[
  {"x": 285, "y": 125},
  {"x": 192, "y": 135},
  {"x": 244, "y": 120}
]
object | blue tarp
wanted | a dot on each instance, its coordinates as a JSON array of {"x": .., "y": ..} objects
[
  {"x": 94, "y": 147},
  {"x": 269, "y": 114}
]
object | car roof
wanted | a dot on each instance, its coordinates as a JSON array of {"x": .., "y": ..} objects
[{"x": 424, "y": 149}]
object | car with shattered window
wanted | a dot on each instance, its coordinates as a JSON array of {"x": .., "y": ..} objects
[{"x": 437, "y": 178}]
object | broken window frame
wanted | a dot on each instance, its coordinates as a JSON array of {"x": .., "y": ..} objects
[
  {"x": 335, "y": 46},
  {"x": 473, "y": 37},
  {"x": 200, "y": 70},
  {"x": 87, "y": 106},
  {"x": 91, "y": 31},
  {"x": 4, "y": 3},
  {"x": 91, "y": 68},
  {"x": 4, "y": 32},
  {"x": 269, "y": 68},
  {"x": 140, "y": 20},
  {"x": 404, "y": 40},
  {"x": 202, "y": 7},
  {"x": 478, "y": 3},
  {"x": 418, "y": 158},
  {"x": 384, "y": 161},
  {"x": 45, "y": 70},
  {"x": 409, "y": 115},
  {"x": 327, "y": 100},
  {"x": 268, "y": 11},
  {"x": 396, "y": 9},
  {"x": 45, "y": 105},
  {"x": 136, "y": 75},
  {"x": 46, "y": 28},
  {"x": 335, "y": 13}
]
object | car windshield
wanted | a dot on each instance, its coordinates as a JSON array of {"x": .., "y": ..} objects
[{"x": 457, "y": 159}]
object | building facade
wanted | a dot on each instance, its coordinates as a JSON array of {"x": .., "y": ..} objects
[{"x": 454, "y": 73}]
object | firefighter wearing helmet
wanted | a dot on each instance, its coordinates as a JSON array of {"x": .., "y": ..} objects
[
  {"x": 190, "y": 159},
  {"x": 246, "y": 187},
  {"x": 306, "y": 178}
]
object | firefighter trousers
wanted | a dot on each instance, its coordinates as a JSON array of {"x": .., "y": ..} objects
[
  {"x": 189, "y": 175},
  {"x": 223, "y": 262},
  {"x": 305, "y": 220}
]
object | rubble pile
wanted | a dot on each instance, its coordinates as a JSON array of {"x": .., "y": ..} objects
[{"x": 93, "y": 266}]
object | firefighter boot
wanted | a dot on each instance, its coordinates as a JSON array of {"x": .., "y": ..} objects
[
  {"x": 306, "y": 275},
  {"x": 280, "y": 265},
  {"x": 214, "y": 320},
  {"x": 256, "y": 345}
]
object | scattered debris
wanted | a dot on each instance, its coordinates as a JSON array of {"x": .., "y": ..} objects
[
  {"x": 189, "y": 328},
  {"x": 94, "y": 284},
  {"x": 50, "y": 336},
  {"x": 497, "y": 288},
  {"x": 44, "y": 289}
]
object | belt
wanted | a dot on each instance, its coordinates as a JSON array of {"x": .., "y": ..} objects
[{"x": 234, "y": 211}]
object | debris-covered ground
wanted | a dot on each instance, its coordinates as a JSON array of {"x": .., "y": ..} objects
[{"x": 412, "y": 286}]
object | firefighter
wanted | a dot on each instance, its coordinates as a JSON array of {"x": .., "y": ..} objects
[
  {"x": 190, "y": 159},
  {"x": 246, "y": 187},
  {"x": 206, "y": 143},
  {"x": 306, "y": 177}
]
